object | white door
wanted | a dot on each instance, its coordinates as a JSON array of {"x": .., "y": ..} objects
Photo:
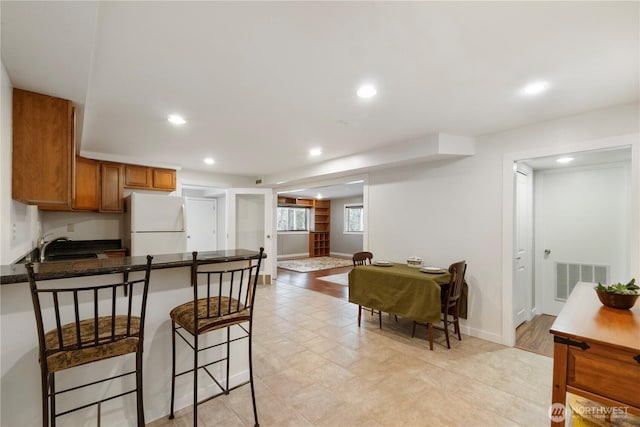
[
  {"x": 202, "y": 218},
  {"x": 582, "y": 220},
  {"x": 250, "y": 223},
  {"x": 522, "y": 271}
]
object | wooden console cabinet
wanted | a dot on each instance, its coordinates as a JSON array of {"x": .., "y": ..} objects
[{"x": 596, "y": 352}]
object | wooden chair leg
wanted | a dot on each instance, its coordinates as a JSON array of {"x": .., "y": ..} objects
[
  {"x": 380, "y": 318},
  {"x": 457, "y": 325},
  {"x": 359, "y": 314},
  {"x": 446, "y": 329},
  {"x": 430, "y": 336},
  {"x": 413, "y": 333}
]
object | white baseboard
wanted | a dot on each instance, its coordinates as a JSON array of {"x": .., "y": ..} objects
[
  {"x": 339, "y": 254},
  {"x": 302, "y": 255},
  {"x": 479, "y": 333}
]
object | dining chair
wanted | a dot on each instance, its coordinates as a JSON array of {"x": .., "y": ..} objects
[
  {"x": 449, "y": 304},
  {"x": 82, "y": 324},
  {"x": 364, "y": 258},
  {"x": 222, "y": 299}
]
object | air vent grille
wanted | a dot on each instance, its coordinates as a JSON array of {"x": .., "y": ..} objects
[{"x": 568, "y": 274}]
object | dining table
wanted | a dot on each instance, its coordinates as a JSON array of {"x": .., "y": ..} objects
[{"x": 399, "y": 289}]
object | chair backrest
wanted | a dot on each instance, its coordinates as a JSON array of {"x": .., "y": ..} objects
[
  {"x": 362, "y": 258},
  {"x": 457, "y": 271},
  {"x": 92, "y": 314},
  {"x": 230, "y": 292}
]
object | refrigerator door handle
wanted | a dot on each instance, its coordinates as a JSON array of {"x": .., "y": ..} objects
[{"x": 184, "y": 217}]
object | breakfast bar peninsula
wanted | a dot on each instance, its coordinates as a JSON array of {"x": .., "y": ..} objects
[{"x": 169, "y": 284}]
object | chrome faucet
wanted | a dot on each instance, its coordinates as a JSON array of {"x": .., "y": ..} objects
[{"x": 44, "y": 245}]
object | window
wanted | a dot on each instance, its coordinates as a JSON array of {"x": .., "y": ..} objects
[
  {"x": 353, "y": 218},
  {"x": 293, "y": 219}
]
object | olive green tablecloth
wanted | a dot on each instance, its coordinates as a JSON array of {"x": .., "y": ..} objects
[{"x": 399, "y": 289}]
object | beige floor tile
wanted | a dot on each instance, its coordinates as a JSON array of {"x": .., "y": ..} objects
[{"x": 313, "y": 365}]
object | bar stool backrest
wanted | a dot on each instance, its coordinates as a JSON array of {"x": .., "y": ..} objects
[
  {"x": 88, "y": 321},
  {"x": 224, "y": 296}
]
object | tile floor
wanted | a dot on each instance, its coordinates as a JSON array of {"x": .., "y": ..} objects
[{"x": 313, "y": 366}]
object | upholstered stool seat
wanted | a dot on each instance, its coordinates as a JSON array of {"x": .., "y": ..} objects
[
  {"x": 231, "y": 312},
  {"x": 91, "y": 347}
]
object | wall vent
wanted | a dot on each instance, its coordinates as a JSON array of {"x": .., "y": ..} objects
[
  {"x": 258, "y": 181},
  {"x": 568, "y": 274}
]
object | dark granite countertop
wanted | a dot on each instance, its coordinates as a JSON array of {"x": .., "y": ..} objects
[{"x": 17, "y": 273}]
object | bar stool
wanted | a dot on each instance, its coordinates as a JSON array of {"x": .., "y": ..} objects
[
  {"x": 229, "y": 302},
  {"x": 112, "y": 329}
]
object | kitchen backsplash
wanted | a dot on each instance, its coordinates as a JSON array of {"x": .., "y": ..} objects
[{"x": 82, "y": 225}]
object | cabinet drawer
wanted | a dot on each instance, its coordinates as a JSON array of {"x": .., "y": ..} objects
[{"x": 605, "y": 371}]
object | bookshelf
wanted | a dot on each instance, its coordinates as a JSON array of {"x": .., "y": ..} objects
[{"x": 319, "y": 241}]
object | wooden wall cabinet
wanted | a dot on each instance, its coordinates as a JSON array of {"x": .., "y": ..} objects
[
  {"x": 138, "y": 177},
  {"x": 149, "y": 178},
  {"x": 111, "y": 185},
  {"x": 87, "y": 185},
  {"x": 43, "y": 149},
  {"x": 164, "y": 179}
]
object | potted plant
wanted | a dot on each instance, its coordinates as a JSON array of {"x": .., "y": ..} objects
[{"x": 621, "y": 296}]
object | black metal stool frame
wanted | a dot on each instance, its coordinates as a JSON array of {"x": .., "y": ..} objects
[
  {"x": 252, "y": 280},
  {"x": 49, "y": 392}
]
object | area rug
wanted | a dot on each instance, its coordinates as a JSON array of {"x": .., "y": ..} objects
[
  {"x": 340, "y": 279},
  {"x": 304, "y": 265}
]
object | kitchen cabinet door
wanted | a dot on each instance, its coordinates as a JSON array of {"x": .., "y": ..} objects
[
  {"x": 87, "y": 180},
  {"x": 164, "y": 179},
  {"x": 43, "y": 149},
  {"x": 137, "y": 176},
  {"x": 111, "y": 183}
]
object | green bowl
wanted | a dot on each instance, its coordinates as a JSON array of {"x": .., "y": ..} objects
[{"x": 619, "y": 301}]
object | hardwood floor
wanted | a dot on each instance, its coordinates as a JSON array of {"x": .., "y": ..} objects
[
  {"x": 310, "y": 281},
  {"x": 534, "y": 335}
]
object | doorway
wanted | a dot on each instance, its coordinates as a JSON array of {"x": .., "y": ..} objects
[{"x": 627, "y": 145}]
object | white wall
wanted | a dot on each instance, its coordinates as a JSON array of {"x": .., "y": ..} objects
[
  {"x": 18, "y": 222},
  {"x": 341, "y": 243},
  {"x": 82, "y": 225},
  {"x": 452, "y": 210}
]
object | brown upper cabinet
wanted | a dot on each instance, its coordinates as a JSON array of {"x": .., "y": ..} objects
[
  {"x": 111, "y": 180},
  {"x": 43, "y": 149},
  {"x": 164, "y": 179},
  {"x": 149, "y": 178},
  {"x": 87, "y": 185}
]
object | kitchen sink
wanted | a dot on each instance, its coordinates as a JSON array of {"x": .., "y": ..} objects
[{"x": 69, "y": 257}]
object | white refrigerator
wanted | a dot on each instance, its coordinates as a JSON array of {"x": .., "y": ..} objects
[{"x": 155, "y": 224}]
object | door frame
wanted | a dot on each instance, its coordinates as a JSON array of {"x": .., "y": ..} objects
[
  {"x": 269, "y": 263},
  {"x": 509, "y": 159}
]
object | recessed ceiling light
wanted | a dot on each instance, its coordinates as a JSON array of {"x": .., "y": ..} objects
[
  {"x": 564, "y": 160},
  {"x": 366, "y": 91},
  {"x": 535, "y": 88},
  {"x": 315, "y": 152},
  {"x": 209, "y": 161},
  {"x": 176, "y": 119},
  {"x": 319, "y": 196}
]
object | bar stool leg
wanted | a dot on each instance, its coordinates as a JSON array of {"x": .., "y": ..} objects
[
  {"x": 139, "y": 395},
  {"x": 52, "y": 387},
  {"x": 173, "y": 367},
  {"x": 195, "y": 380},
  {"x": 253, "y": 392},
  {"x": 226, "y": 387}
]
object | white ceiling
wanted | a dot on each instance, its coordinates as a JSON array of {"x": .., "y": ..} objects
[{"x": 260, "y": 83}]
